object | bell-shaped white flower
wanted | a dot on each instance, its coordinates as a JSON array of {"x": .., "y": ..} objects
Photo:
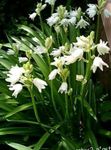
[
  {"x": 53, "y": 19},
  {"x": 76, "y": 53},
  {"x": 32, "y": 16},
  {"x": 82, "y": 23},
  {"x": 40, "y": 50},
  {"x": 58, "y": 62},
  {"x": 92, "y": 10},
  {"x": 102, "y": 48},
  {"x": 63, "y": 88},
  {"x": 53, "y": 74},
  {"x": 17, "y": 88},
  {"x": 72, "y": 20},
  {"x": 98, "y": 63},
  {"x": 10, "y": 52},
  {"x": 23, "y": 59},
  {"x": 15, "y": 74},
  {"x": 50, "y": 2},
  {"x": 40, "y": 84}
]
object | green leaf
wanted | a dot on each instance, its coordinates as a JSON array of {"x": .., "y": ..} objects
[
  {"x": 105, "y": 133},
  {"x": 42, "y": 65},
  {"x": 5, "y": 63},
  {"x": 17, "y": 130},
  {"x": 43, "y": 139},
  {"x": 18, "y": 146},
  {"x": 18, "y": 109},
  {"x": 89, "y": 109},
  {"x": 92, "y": 139}
]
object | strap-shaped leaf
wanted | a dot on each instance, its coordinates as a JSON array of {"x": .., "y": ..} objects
[
  {"x": 44, "y": 138},
  {"x": 18, "y": 146}
]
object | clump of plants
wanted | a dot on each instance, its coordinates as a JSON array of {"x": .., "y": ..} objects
[{"x": 47, "y": 96}]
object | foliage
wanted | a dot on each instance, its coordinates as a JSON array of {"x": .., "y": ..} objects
[{"x": 50, "y": 101}]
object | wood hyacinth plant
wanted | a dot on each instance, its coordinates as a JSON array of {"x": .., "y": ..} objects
[{"x": 47, "y": 97}]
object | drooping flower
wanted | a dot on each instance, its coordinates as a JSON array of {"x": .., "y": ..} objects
[
  {"x": 92, "y": 10},
  {"x": 14, "y": 74},
  {"x": 102, "y": 48},
  {"x": 16, "y": 88},
  {"x": 63, "y": 88},
  {"x": 10, "y": 52},
  {"x": 32, "y": 16},
  {"x": 40, "y": 50},
  {"x": 58, "y": 62},
  {"x": 57, "y": 52},
  {"x": 98, "y": 63},
  {"x": 76, "y": 53},
  {"x": 53, "y": 19},
  {"x": 82, "y": 23},
  {"x": 50, "y": 2},
  {"x": 40, "y": 84},
  {"x": 23, "y": 59},
  {"x": 53, "y": 74}
]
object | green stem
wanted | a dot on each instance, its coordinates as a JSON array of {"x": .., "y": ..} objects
[
  {"x": 52, "y": 92},
  {"x": 34, "y": 105},
  {"x": 97, "y": 29},
  {"x": 41, "y": 23},
  {"x": 67, "y": 109}
]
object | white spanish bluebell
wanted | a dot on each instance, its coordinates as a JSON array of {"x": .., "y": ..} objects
[
  {"x": 14, "y": 74},
  {"x": 40, "y": 84},
  {"x": 53, "y": 74},
  {"x": 63, "y": 88},
  {"x": 92, "y": 10},
  {"x": 16, "y": 88},
  {"x": 102, "y": 48},
  {"x": 82, "y": 23},
  {"x": 22, "y": 59},
  {"x": 32, "y": 16},
  {"x": 98, "y": 63},
  {"x": 50, "y": 2}
]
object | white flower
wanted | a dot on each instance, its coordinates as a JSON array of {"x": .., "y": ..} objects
[
  {"x": 79, "y": 77},
  {"x": 40, "y": 50},
  {"x": 92, "y": 10},
  {"x": 102, "y": 48},
  {"x": 72, "y": 20},
  {"x": 53, "y": 19},
  {"x": 76, "y": 53},
  {"x": 73, "y": 13},
  {"x": 58, "y": 62},
  {"x": 23, "y": 59},
  {"x": 50, "y": 2},
  {"x": 14, "y": 74},
  {"x": 82, "y": 23},
  {"x": 82, "y": 42},
  {"x": 98, "y": 62},
  {"x": 40, "y": 84},
  {"x": 57, "y": 52},
  {"x": 32, "y": 16},
  {"x": 63, "y": 88},
  {"x": 64, "y": 22},
  {"x": 53, "y": 74},
  {"x": 10, "y": 52},
  {"x": 17, "y": 88}
]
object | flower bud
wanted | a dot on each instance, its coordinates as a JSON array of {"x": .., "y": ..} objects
[{"x": 48, "y": 42}]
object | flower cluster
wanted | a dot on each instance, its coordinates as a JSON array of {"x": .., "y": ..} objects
[
  {"x": 64, "y": 18},
  {"x": 22, "y": 76},
  {"x": 67, "y": 55}
]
